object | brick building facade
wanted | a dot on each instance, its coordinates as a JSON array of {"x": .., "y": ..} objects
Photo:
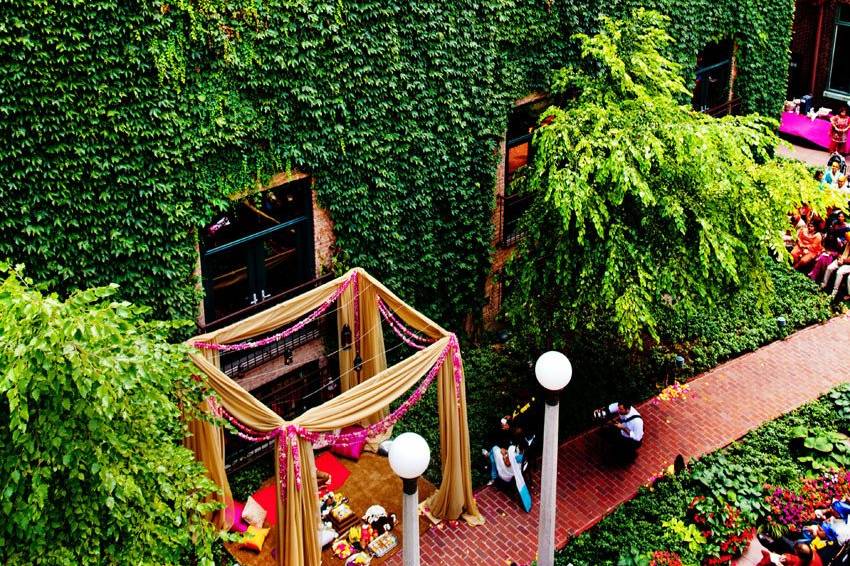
[{"x": 820, "y": 52}]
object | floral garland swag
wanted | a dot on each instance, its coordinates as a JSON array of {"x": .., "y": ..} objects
[{"x": 290, "y": 433}]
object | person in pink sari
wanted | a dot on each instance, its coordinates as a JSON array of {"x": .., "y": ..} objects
[{"x": 838, "y": 135}]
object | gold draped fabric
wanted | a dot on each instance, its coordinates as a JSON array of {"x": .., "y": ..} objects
[{"x": 364, "y": 399}]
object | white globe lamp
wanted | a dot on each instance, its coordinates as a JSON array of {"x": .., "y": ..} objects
[
  {"x": 553, "y": 370},
  {"x": 409, "y": 456}
]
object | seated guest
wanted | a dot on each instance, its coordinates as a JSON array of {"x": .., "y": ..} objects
[
  {"x": 833, "y": 244},
  {"x": 506, "y": 465},
  {"x": 819, "y": 178},
  {"x": 832, "y": 173},
  {"x": 801, "y": 555},
  {"x": 807, "y": 248},
  {"x": 841, "y": 183},
  {"x": 840, "y": 266}
]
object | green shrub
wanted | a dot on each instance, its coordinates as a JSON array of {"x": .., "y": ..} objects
[{"x": 734, "y": 475}]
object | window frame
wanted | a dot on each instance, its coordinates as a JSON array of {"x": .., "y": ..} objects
[
  {"x": 304, "y": 250},
  {"x": 837, "y": 23}
]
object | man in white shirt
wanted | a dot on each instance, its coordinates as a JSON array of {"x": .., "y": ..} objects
[{"x": 625, "y": 432}]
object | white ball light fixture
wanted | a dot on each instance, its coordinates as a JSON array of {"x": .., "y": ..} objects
[
  {"x": 553, "y": 370},
  {"x": 409, "y": 455}
]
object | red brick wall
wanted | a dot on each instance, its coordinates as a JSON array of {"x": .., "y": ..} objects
[
  {"x": 500, "y": 255},
  {"x": 803, "y": 45},
  {"x": 324, "y": 239}
]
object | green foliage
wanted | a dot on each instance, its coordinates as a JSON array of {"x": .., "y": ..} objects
[
  {"x": 495, "y": 383},
  {"x": 822, "y": 450},
  {"x": 688, "y": 534},
  {"x": 633, "y": 557},
  {"x": 725, "y": 489},
  {"x": 840, "y": 398},
  {"x": 706, "y": 337},
  {"x": 626, "y": 222},
  {"x": 731, "y": 482},
  {"x": 128, "y": 123},
  {"x": 90, "y": 435}
]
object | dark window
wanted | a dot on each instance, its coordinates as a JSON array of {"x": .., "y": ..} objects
[
  {"x": 518, "y": 154},
  {"x": 839, "y": 67},
  {"x": 258, "y": 249},
  {"x": 521, "y": 125},
  {"x": 714, "y": 71}
]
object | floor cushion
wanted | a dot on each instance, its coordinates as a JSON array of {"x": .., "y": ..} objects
[
  {"x": 326, "y": 462},
  {"x": 254, "y": 538},
  {"x": 350, "y": 449},
  {"x": 233, "y": 516},
  {"x": 254, "y": 513}
]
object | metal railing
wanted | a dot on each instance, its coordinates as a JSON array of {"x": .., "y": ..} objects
[
  {"x": 268, "y": 302},
  {"x": 237, "y": 363},
  {"x": 288, "y": 395},
  {"x": 731, "y": 107},
  {"x": 509, "y": 210}
]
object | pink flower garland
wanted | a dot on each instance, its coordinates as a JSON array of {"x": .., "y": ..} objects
[
  {"x": 409, "y": 337},
  {"x": 356, "y": 315},
  {"x": 289, "y": 434},
  {"x": 291, "y": 330}
]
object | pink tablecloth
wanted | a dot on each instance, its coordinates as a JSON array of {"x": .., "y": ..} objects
[{"x": 815, "y": 131}]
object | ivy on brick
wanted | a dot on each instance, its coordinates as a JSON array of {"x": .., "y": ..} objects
[{"x": 128, "y": 124}]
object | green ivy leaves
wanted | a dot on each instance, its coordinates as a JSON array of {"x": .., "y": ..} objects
[
  {"x": 91, "y": 434},
  {"x": 638, "y": 197}
]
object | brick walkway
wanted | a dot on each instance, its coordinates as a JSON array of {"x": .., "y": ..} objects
[{"x": 723, "y": 405}]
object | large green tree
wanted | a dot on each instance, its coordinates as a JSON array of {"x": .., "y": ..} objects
[
  {"x": 641, "y": 204},
  {"x": 92, "y": 470}
]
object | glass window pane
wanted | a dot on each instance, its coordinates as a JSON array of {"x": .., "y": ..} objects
[
  {"x": 259, "y": 212},
  {"x": 517, "y": 157},
  {"x": 226, "y": 275},
  {"x": 282, "y": 252},
  {"x": 839, "y": 78}
]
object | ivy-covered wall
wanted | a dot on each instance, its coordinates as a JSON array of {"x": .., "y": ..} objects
[{"x": 126, "y": 124}]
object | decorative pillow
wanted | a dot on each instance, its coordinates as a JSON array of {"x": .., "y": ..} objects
[
  {"x": 350, "y": 450},
  {"x": 254, "y": 538},
  {"x": 327, "y": 536},
  {"x": 253, "y": 513},
  {"x": 233, "y": 515}
]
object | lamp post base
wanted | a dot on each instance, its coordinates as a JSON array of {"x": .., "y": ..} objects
[
  {"x": 410, "y": 520},
  {"x": 546, "y": 527}
]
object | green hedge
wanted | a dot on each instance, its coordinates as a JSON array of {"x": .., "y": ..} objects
[
  {"x": 128, "y": 123},
  {"x": 604, "y": 369},
  {"x": 765, "y": 456}
]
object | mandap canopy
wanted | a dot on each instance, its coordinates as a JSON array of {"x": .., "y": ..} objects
[{"x": 368, "y": 388}]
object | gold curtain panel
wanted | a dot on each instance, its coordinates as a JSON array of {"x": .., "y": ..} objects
[{"x": 364, "y": 400}]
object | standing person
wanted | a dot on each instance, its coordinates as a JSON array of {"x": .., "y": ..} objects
[
  {"x": 840, "y": 124},
  {"x": 624, "y": 433}
]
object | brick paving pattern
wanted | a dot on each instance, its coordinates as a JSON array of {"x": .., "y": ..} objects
[{"x": 722, "y": 405}]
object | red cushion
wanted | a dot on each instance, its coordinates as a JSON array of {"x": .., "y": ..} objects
[
  {"x": 339, "y": 473},
  {"x": 267, "y": 498},
  {"x": 233, "y": 515},
  {"x": 350, "y": 450}
]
